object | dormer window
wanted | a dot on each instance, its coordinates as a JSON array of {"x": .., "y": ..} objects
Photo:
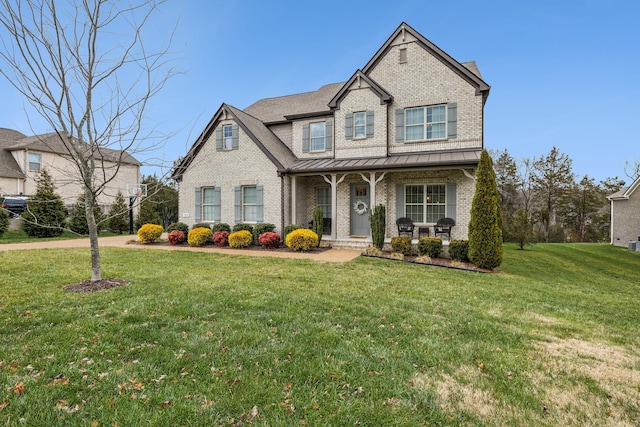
[
  {"x": 358, "y": 125},
  {"x": 35, "y": 162}
]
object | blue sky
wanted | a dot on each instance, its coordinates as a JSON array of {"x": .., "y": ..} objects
[{"x": 562, "y": 73}]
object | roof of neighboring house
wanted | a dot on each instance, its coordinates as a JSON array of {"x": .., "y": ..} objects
[
  {"x": 625, "y": 193},
  {"x": 9, "y": 168},
  {"x": 397, "y": 161},
  {"x": 51, "y": 143}
]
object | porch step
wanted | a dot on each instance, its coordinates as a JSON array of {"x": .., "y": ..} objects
[{"x": 349, "y": 243}]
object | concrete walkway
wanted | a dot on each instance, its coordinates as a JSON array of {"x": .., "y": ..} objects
[{"x": 129, "y": 242}]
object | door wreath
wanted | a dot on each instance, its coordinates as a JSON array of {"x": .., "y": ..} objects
[{"x": 360, "y": 207}]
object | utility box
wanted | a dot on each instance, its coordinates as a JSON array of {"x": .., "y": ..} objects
[{"x": 632, "y": 245}]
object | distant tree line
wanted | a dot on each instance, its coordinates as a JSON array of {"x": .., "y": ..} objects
[{"x": 543, "y": 200}]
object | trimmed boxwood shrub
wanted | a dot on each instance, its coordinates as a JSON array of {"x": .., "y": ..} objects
[
  {"x": 269, "y": 240},
  {"x": 459, "y": 250},
  {"x": 220, "y": 238},
  {"x": 149, "y": 233},
  {"x": 178, "y": 226},
  {"x": 289, "y": 228},
  {"x": 243, "y": 226},
  {"x": 176, "y": 237},
  {"x": 199, "y": 236},
  {"x": 221, "y": 226},
  {"x": 302, "y": 240},
  {"x": 430, "y": 246},
  {"x": 401, "y": 244},
  {"x": 240, "y": 239},
  {"x": 201, "y": 225},
  {"x": 260, "y": 229}
]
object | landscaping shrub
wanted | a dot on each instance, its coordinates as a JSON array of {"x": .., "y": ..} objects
[
  {"x": 118, "y": 215},
  {"x": 289, "y": 228},
  {"x": 242, "y": 226},
  {"x": 318, "y": 222},
  {"x": 149, "y": 233},
  {"x": 221, "y": 226},
  {"x": 220, "y": 238},
  {"x": 240, "y": 239},
  {"x": 430, "y": 246},
  {"x": 4, "y": 221},
  {"x": 459, "y": 250},
  {"x": 178, "y": 226},
  {"x": 78, "y": 217},
  {"x": 302, "y": 240},
  {"x": 378, "y": 225},
  {"x": 45, "y": 215},
  {"x": 199, "y": 236},
  {"x": 401, "y": 244},
  {"x": 201, "y": 225},
  {"x": 269, "y": 240},
  {"x": 176, "y": 237},
  {"x": 260, "y": 229}
]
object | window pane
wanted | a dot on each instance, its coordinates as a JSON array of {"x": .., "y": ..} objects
[
  {"x": 34, "y": 161},
  {"x": 415, "y": 213},
  {"x": 415, "y": 133},
  {"x": 207, "y": 196},
  {"x": 359, "y": 119},
  {"x": 435, "y": 212},
  {"x": 436, "y": 131},
  {"x": 207, "y": 213},
  {"x": 228, "y": 131},
  {"x": 436, "y": 114},
  {"x": 323, "y": 195},
  {"x": 249, "y": 195},
  {"x": 414, "y": 116},
  {"x": 317, "y": 130}
]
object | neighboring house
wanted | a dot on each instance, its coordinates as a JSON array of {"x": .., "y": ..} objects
[
  {"x": 625, "y": 214},
  {"x": 23, "y": 157},
  {"x": 405, "y": 131}
]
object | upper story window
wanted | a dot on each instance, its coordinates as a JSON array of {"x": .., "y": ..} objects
[
  {"x": 358, "y": 125},
  {"x": 227, "y": 135},
  {"x": 317, "y": 136},
  {"x": 425, "y": 123},
  {"x": 435, "y": 122},
  {"x": 35, "y": 162}
]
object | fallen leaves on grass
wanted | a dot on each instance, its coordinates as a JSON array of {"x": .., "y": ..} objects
[{"x": 95, "y": 285}]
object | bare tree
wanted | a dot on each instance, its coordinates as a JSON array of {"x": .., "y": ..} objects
[
  {"x": 632, "y": 170},
  {"x": 83, "y": 66}
]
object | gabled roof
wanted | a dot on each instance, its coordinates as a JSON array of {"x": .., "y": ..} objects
[
  {"x": 275, "y": 150},
  {"x": 470, "y": 76},
  {"x": 625, "y": 193},
  {"x": 385, "y": 97},
  {"x": 276, "y": 110},
  {"x": 9, "y": 168},
  {"x": 52, "y": 143}
]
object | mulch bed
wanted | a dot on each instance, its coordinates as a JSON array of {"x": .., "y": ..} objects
[
  {"x": 437, "y": 262},
  {"x": 94, "y": 286},
  {"x": 211, "y": 246}
]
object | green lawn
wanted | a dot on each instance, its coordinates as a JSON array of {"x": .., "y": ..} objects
[
  {"x": 19, "y": 236},
  {"x": 201, "y": 339}
]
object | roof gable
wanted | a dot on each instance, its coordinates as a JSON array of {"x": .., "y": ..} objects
[
  {"x": 406, "y": 33},
  {"x": 625, "y": 193},
  {"x": 357, "y": 78}
]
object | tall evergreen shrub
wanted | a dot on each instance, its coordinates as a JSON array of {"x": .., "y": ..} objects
[
  {"x": 378, "y": 225},
  {"x": 4, "y": 222},
  {"x": 485, "y": 234},
  {"x": 45, "y": 214},
  {"x": 318, "y": 223},
  {"x": 118, "y": 216},
  {"x": 78, "y": 217}
]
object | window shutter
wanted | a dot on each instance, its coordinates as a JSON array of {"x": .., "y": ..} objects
[
  {"x": 399, "y": 125},
  {"x": 237, "y": 206},
  {"x": 305, "y": 138},
  {"x": 451, "y": 200},
  {"x": 452, "y": 120},
  {"x": 216, "y": 204},
  {"x": 259, "y": 203},
  {"x": 348, "y": 126},
  {"x": 328, "y": 135},
  {"x": 400, "y": 201},
  {"x": 198, "y": 213},
  {"x": 234, "y": 137},
  {"x": 369, "y": 124},
  {"x": 219, "y": 139}
]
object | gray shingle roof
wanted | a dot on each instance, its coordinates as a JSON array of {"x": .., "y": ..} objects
[{"x": 9, "y": 168}]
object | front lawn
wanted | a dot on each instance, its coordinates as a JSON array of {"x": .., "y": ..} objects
[
  {"x": 19, "y": 236},
  {"x": 205, "y": 339}
]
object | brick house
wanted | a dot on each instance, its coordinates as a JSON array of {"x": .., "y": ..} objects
[
  {"x": 625, "y": 214},
  {"x": 405, "y": 131},
  {"x": 23, "y": 157}
]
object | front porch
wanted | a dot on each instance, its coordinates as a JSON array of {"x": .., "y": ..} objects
[{"x": 361, "y": 243}]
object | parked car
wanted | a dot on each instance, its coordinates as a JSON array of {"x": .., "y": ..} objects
[{"x": 16, "y": 205}]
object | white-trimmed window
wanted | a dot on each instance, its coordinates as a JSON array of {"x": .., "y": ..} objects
[
  {"x": 249, "y": 204},
  {"x": 210, "y": 204},
  {"x": 227, "y": 136},
  {"x": 317, "y": 136},
  {"x": 35, "y": 162},
  {"x": 323, "y": 200},
  {"x": 425, "y": 203},
  {"x": 425, "y": 123},
  {"x": 360, "y": 125}
]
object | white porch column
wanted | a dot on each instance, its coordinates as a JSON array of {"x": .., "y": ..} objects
[
  {"x": 333, "y": 181},
  {"x": 294, "y": 207},
  {"x": 372, "y": 181}
]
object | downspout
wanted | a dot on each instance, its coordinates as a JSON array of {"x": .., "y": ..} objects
[{"x": 282, "y": 175}]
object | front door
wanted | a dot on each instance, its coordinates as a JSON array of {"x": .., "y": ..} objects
[{"x": 360, "y": 210}]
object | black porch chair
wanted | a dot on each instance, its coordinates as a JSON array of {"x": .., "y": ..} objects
[
  {"x": 444, "y": 226},
  {"x": 405, "y": 226}
]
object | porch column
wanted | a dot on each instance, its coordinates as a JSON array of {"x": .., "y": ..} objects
[
  {"x": 333, "y": 181},
  {"x": 294, "y": 208},
  {"x": 372, "y": 181}
]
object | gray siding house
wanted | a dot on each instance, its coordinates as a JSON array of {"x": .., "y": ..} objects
[
  {"x": 405, "y": 130},
  {"x": 625, "y": 214}
]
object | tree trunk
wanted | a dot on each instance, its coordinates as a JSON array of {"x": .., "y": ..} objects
[{"x": 96, "y": 269}]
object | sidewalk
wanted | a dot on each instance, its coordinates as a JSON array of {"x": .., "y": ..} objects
[{"x": 126, "y": 241}]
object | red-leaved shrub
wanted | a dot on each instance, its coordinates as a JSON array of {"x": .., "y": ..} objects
[
  {"x": 269, "y": 240},
  {"x": 176, "y": 237},
  {"x": 221, "y": 238}
]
